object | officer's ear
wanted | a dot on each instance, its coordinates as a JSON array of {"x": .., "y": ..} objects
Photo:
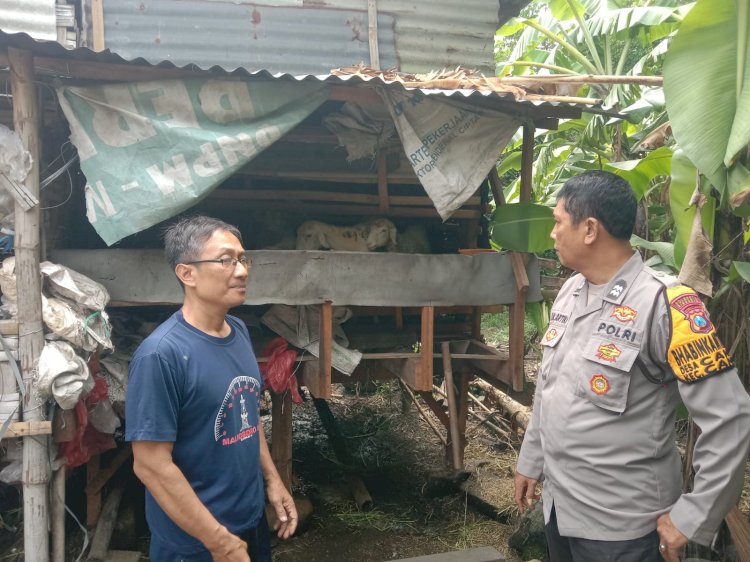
[{"x": 591, "y": 230}]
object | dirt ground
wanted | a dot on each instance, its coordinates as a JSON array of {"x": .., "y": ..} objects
[{"x": 396, "y": 454}]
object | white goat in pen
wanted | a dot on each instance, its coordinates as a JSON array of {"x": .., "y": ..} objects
[{"x": 363, "y": 237}]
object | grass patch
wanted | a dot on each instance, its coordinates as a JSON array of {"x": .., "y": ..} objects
[{"x": 495, "y": 328}]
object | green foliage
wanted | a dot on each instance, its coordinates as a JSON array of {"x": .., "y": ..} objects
[
  {"x": 523, "y": 227},
  {"x": 708, "y": 93}
]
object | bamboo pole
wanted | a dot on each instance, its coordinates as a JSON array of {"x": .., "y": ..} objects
[
  {"x": 57, "y": 508},
  {"x": 30, "y": 337}
]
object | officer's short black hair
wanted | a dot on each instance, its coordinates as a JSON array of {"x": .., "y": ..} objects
[{"x": 604, "y": 196}]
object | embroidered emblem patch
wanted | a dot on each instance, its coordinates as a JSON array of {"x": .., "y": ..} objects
[
  {"x": 600, "y": 384},
  {"x": 617, "y": 289},
  {"x": 691, "y": 307},
  {"x": 624, "y": 313},
  {"x": 550, "y": 335},
  {"x": 695, "y": 351},
  {"x": 609, "y": 352}
]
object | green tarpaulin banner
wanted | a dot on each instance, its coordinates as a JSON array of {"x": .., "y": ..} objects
[{"x": 150, "y": 150}]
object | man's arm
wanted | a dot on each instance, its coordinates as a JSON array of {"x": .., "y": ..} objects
[
  {"x": 153, "y": 464},
  {"x": 278, "y": 496},
  {"x": 531, "y": 458},
  {"x": 720, "y": 407}
]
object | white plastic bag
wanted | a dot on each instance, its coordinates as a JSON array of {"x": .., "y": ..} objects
[
  {"x": 63, "y": 375},
  {"x": 68, "y": 284},
  {"x": 86, "y": 332}
]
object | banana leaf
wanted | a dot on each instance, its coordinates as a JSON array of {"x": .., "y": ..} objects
[{"x": 523, "y": 227}]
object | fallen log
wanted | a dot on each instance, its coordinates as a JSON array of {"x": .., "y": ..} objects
[{"x": 517, "y": 412}]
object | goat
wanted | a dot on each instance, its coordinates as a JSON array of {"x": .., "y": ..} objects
[{"x": 363, "y": 237}]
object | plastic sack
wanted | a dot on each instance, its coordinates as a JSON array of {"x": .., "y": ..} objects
[
  {"x": 11, "y": 474},
  {"x": 63, "y": 375},
  {"x": 8, "y": 280},
  {"x": 277, "y": 372},
  {"x": 87, "y": 332},
  {"x": 69, "y": 284}
]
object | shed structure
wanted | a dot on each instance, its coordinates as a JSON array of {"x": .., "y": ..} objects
[{"x": 422, "y": 299}]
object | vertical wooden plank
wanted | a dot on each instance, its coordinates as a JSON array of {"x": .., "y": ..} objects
[
  {"x": 93, "y": 499},
  {"x": 496, "y": 187},
  {"x": 36, "y": 473},
  {"x": 450, "y": 392},
  {"x": 315, "y": 381},
  {"x": 398, "y": 317},
  {"x": 463, "y": 407},
  {"x": 57, "y": 511},
  {"x": 517, "y": 313},
  {"x": 384, "y": 203},
  {"x": 281, "y": 436},
  {"x": 326, "y": 341},
  {"x": 425, "y": 369},
  {"x": 97, "y": 24},
  {"x": 372, "y": 33},
  {"x": 527, "y": 160}
]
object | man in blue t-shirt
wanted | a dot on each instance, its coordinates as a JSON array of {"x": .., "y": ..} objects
[{"x": 192, "y": 412}]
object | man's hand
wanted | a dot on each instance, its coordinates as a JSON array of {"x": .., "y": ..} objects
[
  {"x": 283, "y": 504},
  {"x": 671, "y": 541},
  {"x": 227, "y": 547},
  {"x": 525, "y": 491}
]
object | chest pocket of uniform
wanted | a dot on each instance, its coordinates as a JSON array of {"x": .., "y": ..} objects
[
  {"x": 556, "y": 329},
  {"x": 609, "y": 355}
]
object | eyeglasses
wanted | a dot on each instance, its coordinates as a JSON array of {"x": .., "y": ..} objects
[{"x": 226, "y": 263}]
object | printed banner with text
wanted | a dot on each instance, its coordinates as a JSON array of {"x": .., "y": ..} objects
[
  {"x": 150, "y": 150},
  {"x": 451, "y": 145}
]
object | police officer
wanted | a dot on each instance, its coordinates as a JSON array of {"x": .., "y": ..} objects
[{"x": 624, "y": 345}]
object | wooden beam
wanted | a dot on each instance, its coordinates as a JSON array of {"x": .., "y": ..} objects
[
  {"x": 281, "y": 436},
  {"x": 372, "y": 33},
  {"x": 383, "y": 202},
  {"x": 496, "y": 187},
  {"x": 405, "y": 368},
  {"x": 438, "y": 410},
  {"x": 427, "y": 339},
  {"x": 463, "y": 407},
  {"x": 57, "y": 513},
  {"x": 36, "y": 466},
  {"x": 97, "y": 24},
  {"x": 318, "y": 384},
  {"x": 95, "y": 485},
  {"x": 331, "y": 176},
  {"x": 516, "y": 328},
  {"x": 363, "y": 94},
  {"x": 357, "y": 210},
  {"x": 27, "y": 429},
  {"x": 8, "y": 328},
  {"x": 335, "y": 196},
  {"x": 94, "y": 499},
  {"x": 326, "y": 339},
  {"x": 450, "y": 390},
  {"x": 527, "y": 161}
]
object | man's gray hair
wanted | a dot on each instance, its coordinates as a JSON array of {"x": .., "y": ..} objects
[{"x": 184, "y": 239}]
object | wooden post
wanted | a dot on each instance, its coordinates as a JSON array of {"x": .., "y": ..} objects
[
  {"x": 450, "y": 391},
  {"x": 463, "y": 407},
  {"x": 93, "y": 498},
  {"x": 424, "y": 371},
  {"x": 384, "y": 204},
  {"x": 97, "y": 24},
  {"x": 517, "y": 314},
  {"x": 281, "y": 436},
  {"x": 497, "y": 188},
  {"x": 527, "y": 161},
  {"x": 35, "y": 475},
  {"x": 325, "y": 348},
  {"x": 372, "y": 33},
  {"x": 57, "y": 508}
]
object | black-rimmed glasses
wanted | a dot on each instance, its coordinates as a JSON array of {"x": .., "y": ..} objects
[{"x": 226, "y": 263}]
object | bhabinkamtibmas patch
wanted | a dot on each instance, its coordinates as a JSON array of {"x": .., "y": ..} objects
[{"x": 695, "y": 351}]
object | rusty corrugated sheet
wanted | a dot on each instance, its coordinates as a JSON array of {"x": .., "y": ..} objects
[
  {"x": 35, "y": 17},
  {"x": 303, "y": 36}
]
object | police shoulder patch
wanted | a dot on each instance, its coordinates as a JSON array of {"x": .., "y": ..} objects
[{"x": 695, "y": 351}]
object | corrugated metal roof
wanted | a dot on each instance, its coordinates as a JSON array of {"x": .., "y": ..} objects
[
  {"x": 35, "y": 17},
  {"x": 303, "y": 36},
  {"x": 487, "y": 98}
]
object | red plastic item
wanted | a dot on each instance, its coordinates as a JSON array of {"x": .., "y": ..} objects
[
  {"x": 278, "y": 374},
  {"x": 87, "y": 441}
]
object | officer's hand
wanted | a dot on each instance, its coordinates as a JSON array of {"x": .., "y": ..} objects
[
  {"x": 283, "y": 504},
  {"x": 525, "y": 491},
  {"x": 671, "y": 541},
  {"x": 230, "y": 548}
]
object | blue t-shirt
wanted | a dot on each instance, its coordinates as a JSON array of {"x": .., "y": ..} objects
[{"x": 201, "y": 393}]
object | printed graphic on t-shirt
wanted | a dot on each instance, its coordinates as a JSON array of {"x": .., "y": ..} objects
[{"x": 233, "y": 422}]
